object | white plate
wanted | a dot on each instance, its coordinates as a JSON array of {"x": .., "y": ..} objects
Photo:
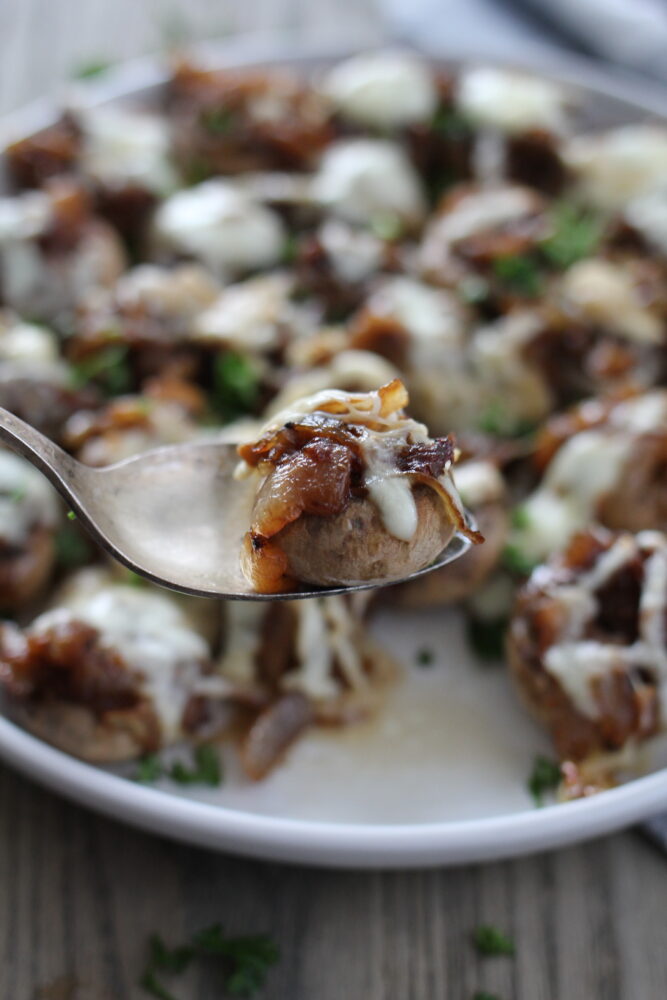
[{"x": 440, "y": 777}]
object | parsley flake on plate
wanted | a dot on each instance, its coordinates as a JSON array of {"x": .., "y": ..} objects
[
  {"x": 545, "y": 777},
  {"x": 425, "y": 657},
  {"x": 207, "y": 770},
  {"x": 487, "y": 637}
]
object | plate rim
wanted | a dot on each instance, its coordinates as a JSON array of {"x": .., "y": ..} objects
[{"x": 329, "y": 844}]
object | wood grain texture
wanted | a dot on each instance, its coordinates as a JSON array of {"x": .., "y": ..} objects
[{"x": 79, "y": 895}]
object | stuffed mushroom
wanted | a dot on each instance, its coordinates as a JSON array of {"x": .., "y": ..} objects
[{"x": 349, "y": 489}]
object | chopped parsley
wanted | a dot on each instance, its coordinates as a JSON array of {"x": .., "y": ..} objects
[
  {"x": 149, "y": 984},
  {"x": 425, "y": 657},
  {"x": 72, "y": 549},
  {"x": 90, "y": 69},
  {"x": 517, "y": 561},
  {"x": 133, "y": 579},
  {"x": 520, "y": 518},
  {"x": 493, "y": 419},
  {"x": 235, "y": 386},
  {"x": 450, "y": 123},
  {"x": 245, "y": 961},
  {"x": 488, "y": 940},
  {"x": 487, "y": 638},
  {"x": 248, "y": 958},
  {"x": 71, "y": 516},
  {"x": 520, "y": 274},
  {"x": 18, "y": 494},
  {"x": 290, "y": 249},
  {"x": 149, "y": 769},
  {"x": 576, "y": 234},
  {"x": 207, "y": 770},
  {"x": 545, "y": 777},
  {"x": 218, "y": 121},
  {"x": 109, "y": 367}
]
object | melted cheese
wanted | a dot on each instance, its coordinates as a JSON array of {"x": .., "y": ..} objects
[
  {"x": 221, "y": 225},
  {"x": 618, "y": 165},
  {"x": 510, "y": 102},
  {"x": 361, "y": 179},
  {"x": 127, "y": 147},
  {"x": 26, "y": 499},
  {"x": 497, "y": 354},
  {"x": 582, "y": 473},
  {"x": 473, "y": 213},
  {"x": 354, "y": 254},
  {"x": 576, "y": 661},
  {"x": 152, "y": 635},
  {"x": 478, "y": 483},
  {"x": 351, "y": 371},
  {"x": 607, "y": 294},
  {"x": 243, "y": 624},
  {"x": 177, "y": 292},
  {"x": 432, "y": 316},
  {"x": 327, "y": 637},
  {"x": 383, "y": 89},
  {"x": 647, "y": 213},
  {"x": 256, "y": 315}
]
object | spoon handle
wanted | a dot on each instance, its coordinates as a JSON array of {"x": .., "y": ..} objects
[{"x": 58, "y": 467}]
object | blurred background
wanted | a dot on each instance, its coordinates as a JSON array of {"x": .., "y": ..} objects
[{"x": 46, "y": 42}]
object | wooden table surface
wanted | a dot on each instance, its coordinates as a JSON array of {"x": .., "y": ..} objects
[{"x": 79, "y": 895}]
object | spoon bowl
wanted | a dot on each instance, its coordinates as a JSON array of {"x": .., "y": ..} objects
[{"x": 174, "y": 515}]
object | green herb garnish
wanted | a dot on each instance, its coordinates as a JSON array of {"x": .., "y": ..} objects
[
  {"x": 149, "y": 769},
  {"x": 72, "y": 549},
  {"x": 576, "y": 234},
  {"x": 290, "y": 249},
  {"x": 488, "y": 940},
  {"x": 485, "y": 996},
  {"x": 245, "y": 961},
  {"x": 71, "y": 516},
  {"x": 249, "y": 958},
  {"x": 520, "y": 274},
  {"x": 545, "y": 777},
  {"x": 149, "y": 984},
  {"x": 520, "y": 518},
  {"x": 174, "y": 960},
  {"x": 517, "y": 561},
  {"x": 425, "y": 657},
  {"x": 207, "y": 770},
  {"x": 493, "y": 419},
  {"x": 235, "y": 385},
  {"x": 450, "y": 123},
  {"x": 487, "y": 638},
  {"x": 88, "y": 70},
  {"x": 218, "y": 121},
  {"x": 18, "y": 494},
  {"x": 109, "y": 367},
  {"x": 133, "y": 579}
]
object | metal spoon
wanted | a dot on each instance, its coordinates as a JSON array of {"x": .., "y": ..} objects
[{"x": 175, "y": 514}]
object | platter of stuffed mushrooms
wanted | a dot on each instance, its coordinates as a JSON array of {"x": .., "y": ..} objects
[{"x": 423, "y": 298}]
